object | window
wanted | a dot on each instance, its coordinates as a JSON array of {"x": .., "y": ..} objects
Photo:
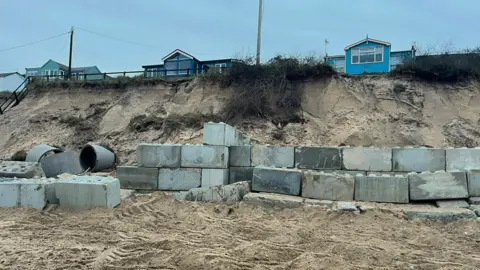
[
  {"x": 171, "y": 67},
  {"x": 367, "y": 55},
  {"x": 184, "y": 66},
  {"x": 220, "y": 67}
]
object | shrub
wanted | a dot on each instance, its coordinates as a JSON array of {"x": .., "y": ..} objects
[
  {"x": 77, "y": 122},
  {"x": 169, "y": 124}
]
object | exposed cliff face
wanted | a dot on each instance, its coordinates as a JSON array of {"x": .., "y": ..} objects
[{"x": 361, "y": 111}]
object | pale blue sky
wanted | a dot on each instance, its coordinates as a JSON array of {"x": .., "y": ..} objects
[{"x": 222, "y": 28}]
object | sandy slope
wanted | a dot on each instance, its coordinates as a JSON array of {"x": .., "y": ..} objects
[
  {"x": 159, "y": 233},
  {"x": 341, "y": 110}
]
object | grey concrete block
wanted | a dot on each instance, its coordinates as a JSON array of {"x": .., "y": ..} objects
[
  {"x": 327, "y": 186},
  {"x": 179, "y": 179},
  {"x": 367, "y": 159},
  {"x": 239, "y": 174},
  {"x": 21, "y": 169},
  {"x": 275, "y": 180},
  {"x": 474, "y": 200},
  {"x": 346, "y": 207},
  {"x": 418, "y": 159},
  {"x": 353, "y": 173},
  {"x": 273, "y": 156},
  {"x": 452, "y": 204},
  {"x": 88, "y": 192},
  {"x": 388, "y": 173},
  {"x": 473, "y": 177},
  {"x": 322, "y": 203},
  {"x": 463, "y": 159},
  {"x": 221, "y": 134},
  {"x": 66, "y": 162},
  {"x": 240, "y": 156},
  {"x": 33, "y": 194},
  {"x": 232, "y": 193},
  {"x": 9, "y": 193},
  {"x": 137, "y": 178},
  {"x": 270, "y": 200},
  {"x": 205, "y": 156},
  {"x": 214, "y": 177},
  {"x": 382, "y": 188},
  {"x": 318, "y": 158},
  {"x": 439, "y": 214},
  {"x": 158, "y": 155},
  {"x": 439, "y": 185}
]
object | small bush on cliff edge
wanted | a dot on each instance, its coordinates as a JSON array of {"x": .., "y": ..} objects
[{"x": 272, "y": 90}]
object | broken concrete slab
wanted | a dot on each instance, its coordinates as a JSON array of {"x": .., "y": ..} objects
[
  {"x": 270, "y": 200},
  {"x": 439, "y": 185},
  {"x": 132, "y": 177},
  {"x": 276, "y": 180},
  {"x": 328, "y": 186},
  {"x": 65, "y": 162},
  {"x": 232, "y": 193},
  {"x": 346, "y": 207},
  {"x": 159, "y": 155},
  {"x": 273, "y": 156},
  {"x": 440, "y": 214},
  {"x": 88, "y": 192},
  {"x": 126, "y": 194},
  {"x": 452, "y": 204},
  {"x": 474, "y": 200},
  {"x": 179, "y": 179},
  {"x": 473, "y": 179},
  {"x": 367, "y": 159},
  {"x": 475, "y": 209},
  {"x": 318, "y": 158},
  {"x": 240, "y": 156},
  {"x": 21, "y": 169},
  {"x": 463, "y": 159},
  {"x": 418, "y": 159},
  {"x": 239, "y": 174},
  {"x": 214, "y": 177},
  {"x": 382, "y": 188},
  {"x": 205, "y": 156},
  {"x": 321, "y": 203}
]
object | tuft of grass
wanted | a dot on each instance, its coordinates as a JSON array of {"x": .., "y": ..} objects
[
  {"x": 19, "y": 156},
  {"x": 77, "y": 122},
  {"x": 169, "y": 124},
  {"x": 399, "y": 88}
]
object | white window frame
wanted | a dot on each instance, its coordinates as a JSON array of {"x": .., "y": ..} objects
[
  {"x": 220, "y": 67},
  {"x": 375, "y": 49}
]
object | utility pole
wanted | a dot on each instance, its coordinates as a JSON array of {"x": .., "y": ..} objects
[
  {"x": 70, "y": 56},
  {"x": 259, "y": 34}
]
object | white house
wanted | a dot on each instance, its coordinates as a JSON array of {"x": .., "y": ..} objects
[{"x": 10, "y": 81}]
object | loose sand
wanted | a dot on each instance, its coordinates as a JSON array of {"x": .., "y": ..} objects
[{"x": 156, "y": 232}]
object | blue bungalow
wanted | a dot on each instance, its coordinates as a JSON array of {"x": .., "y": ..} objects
[
  {"x": 369, "y": 56},
  {"x": 55, "y": 70},
  {"x": 180, "y": 63}
]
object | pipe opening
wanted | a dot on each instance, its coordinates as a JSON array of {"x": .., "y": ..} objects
[{"x": 88, "y": 158}]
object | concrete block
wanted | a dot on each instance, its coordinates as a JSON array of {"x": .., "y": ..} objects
[
  {"x": 221, "y": 134},
  {"x": 132, "y": 177},
  {"x": 179, "y": 179},
  {"x": 214, "y": 177},
  {"x": 20, "y": 169},
  {"x": 452, "y": 204},
  {"x": 66, "y": 162},
  {"x": 381, "y": 188},
  {"x": 9, "y": 193},
  {"x": 353, "y": 173},
  {"x": 270, "y": 200},
  {"x": 473, "y": 178},
  {"x": 33, "y": 194},
  {"x": 346, "y": 207},
  {"x": 275, "y": 180},
  {"x": 240, "y": 156},
  {"x": 88, "y": 192},
  {"x": 232, "y": 193},
  {"x": 316, "y": 158},
  {"x": 463, "y": 159},
  {"x": 474, "y": 200},
  {"x": 205, "y": 156},
  {"x": 322, "y": 203},
  {"x": 367, "y": 159},
  {"x": 327, "y": 186},
  {"x": 158, "y": 155},
  {"x": 238, "y": 174},
  {"x": 388, "y": 173},
  {"x": 418, "y": 159},
  {"x": 439, "y": 185},
  {"x": 439, "y": 214},
  {"x": 273, "y": 156}
]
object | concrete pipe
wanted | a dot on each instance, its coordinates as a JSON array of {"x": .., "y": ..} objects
[
  {"x": 96, "y": 158},
  {"x": 39, "y": 151}
]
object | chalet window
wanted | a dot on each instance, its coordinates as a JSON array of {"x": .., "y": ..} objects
[
  {"x": 367, "y": 55},
  {"x": 183, "y": 66},
  {"x": 171, "y": 67},
  {"x": 220, "y": 67}
]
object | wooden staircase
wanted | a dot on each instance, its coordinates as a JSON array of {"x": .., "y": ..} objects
[{"x": 14, "y": 99}]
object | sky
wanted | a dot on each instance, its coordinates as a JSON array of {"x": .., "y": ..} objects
[{"x": 211, "y": 29}]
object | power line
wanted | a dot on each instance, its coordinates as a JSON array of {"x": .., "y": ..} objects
[
  {"x": 114, "y": 38},
  {"x": 35, "y": 42}
]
